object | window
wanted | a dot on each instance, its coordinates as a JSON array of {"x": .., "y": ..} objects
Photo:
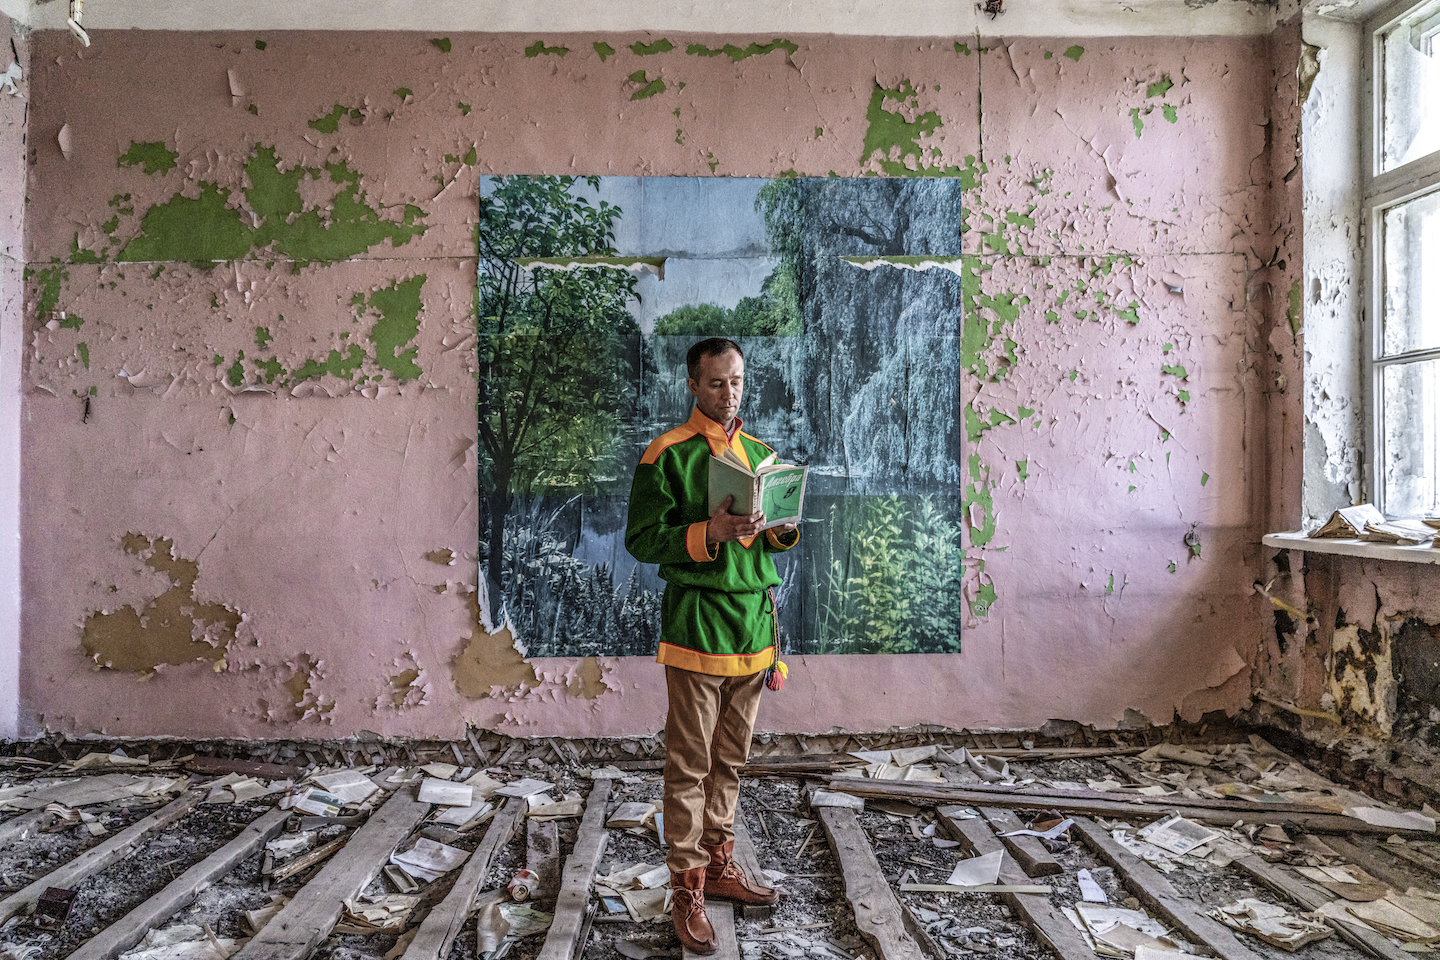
[{"x": 1402, "y": 197}]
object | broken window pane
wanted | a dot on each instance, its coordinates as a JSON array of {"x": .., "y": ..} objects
[
  {"x": 1410, "y": 398},
  {"x": 1412, "y": 292},
  {"x": 1411, "y": 92}
]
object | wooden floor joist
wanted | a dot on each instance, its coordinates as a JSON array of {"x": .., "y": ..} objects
[
  {"x": 99, "y": 857},
  {"x": 577, "y": 878},
  {"x": 131, "y": 928},
  {"x": 1157, "y": 893},
  {"x": 19, "y": 827},
  {"x": 1223, "y": 813},
  {"x": 880, "y": 916},
  {"x": 437, "y": 932},
  {"x": 310, "y": 916},
  {"x": 1028, "y": 852},
  {"x": 1034, "y": 910},
  {"x": 1369, "y": 862},
  {"x": 1310, "y": 897},
  {"x": 749, "y": 863},
  {"x": 722, "y": 920}
]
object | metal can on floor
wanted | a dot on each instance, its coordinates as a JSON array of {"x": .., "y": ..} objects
[{"x": 522, "y": 885}]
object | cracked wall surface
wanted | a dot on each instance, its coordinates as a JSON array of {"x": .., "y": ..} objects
[{"x": 250, "y": 344}]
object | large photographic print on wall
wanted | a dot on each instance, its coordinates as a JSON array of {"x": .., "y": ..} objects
[{"x": 846, "y": 295}]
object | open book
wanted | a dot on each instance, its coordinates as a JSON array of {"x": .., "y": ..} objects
[
  {"x": 773, "y": 488},
  {"x": 1364, "y": 522}
]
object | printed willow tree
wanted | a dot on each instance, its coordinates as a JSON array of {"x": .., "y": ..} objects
[{"x": 558, "y": 360}]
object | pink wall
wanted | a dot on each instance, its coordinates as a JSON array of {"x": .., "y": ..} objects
[{"x": 1142, "y": 170}]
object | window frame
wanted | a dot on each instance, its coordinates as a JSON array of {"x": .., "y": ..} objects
[{"x": 1380, "y": 191}]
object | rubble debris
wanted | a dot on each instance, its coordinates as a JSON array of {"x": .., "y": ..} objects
[{"x": 1273, "y": 924}]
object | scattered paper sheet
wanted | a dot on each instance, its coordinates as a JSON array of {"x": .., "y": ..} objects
[
  {"x": 318, "y": 803},
  {"x": 1272, "y": 923},
  {"x": 103, "y": 788},
  {"x": 442, "y": 771},
  {"x": 977, "y": 870},
  {"x": 428, "y": 860},
  {"x": 184, "y": 941},
  {"x": 1050, "y": 834},
  {"x": 445, "y": 793},
  {"x": 289, "y": 844},
  {"x": 826, "y": 798},
  {"x": 647, "y": 905},
  {"x": 349, "y": 785},
  {"x": 1090, "y": 889},
  {"x": 378, "y": 914},
  {"x": 1394, "y": 819},
  {"x": 632, "y": 814},
  {"x": 257, "y": 918},
  {"x": 1177, "y": 753},
  {"x": 559, "y": 810},
  {"x": 459, "y": 816},
  {"x": 1177, "y": 835},
  {"x": 524, "y": 788}
]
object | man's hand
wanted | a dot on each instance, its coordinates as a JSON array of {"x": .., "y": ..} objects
[{"x": 725, "y": 526}]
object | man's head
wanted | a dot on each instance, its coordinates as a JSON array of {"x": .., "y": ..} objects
[{"x": 717, "y": 378}]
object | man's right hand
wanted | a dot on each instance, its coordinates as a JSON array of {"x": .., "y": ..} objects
[{"x": 725, "y": 526}]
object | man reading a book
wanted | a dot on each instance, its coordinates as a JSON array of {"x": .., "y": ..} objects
[{"x": 717, "y": 636}]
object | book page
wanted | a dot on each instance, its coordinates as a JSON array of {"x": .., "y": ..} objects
[
  {"x": 782, "y": 495},
  {"x": 727, "y": 480}
]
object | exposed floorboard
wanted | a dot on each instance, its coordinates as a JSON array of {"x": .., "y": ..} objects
[
  {"x": 879, "y": 914},
  {"x": 577, "y": 879},
  {"x": 1034, "y": 909},
  {"x": 131, "y": 928},
  {"x": 1160, "y": 895},
  {"x": 99, "y": 857},
  {"x": 749, "y": 862},
  {"x": 308, "y": 918},
  {"x": 1028, "y": 852}
]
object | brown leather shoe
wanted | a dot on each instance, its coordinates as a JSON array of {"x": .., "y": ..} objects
[
  {"x": 687, "y": 912},
  {"x": 724, "y": 880}
]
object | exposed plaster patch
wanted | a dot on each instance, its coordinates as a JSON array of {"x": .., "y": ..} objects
[
  {"x": 175, "y": 627},
  {"x": 308, "y": 704},
  {"x": 408, "y": 687},
  {"x": 490, "y": 658},
  {"x": 1361, "y": 678},
  {"x": 588, "y": 680}
]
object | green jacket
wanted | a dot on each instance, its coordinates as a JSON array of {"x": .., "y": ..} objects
[{"x": 716, "y": 616}]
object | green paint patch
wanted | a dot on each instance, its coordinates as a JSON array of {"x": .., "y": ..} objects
[
  {"x": 975, "y": 425},
  {"x": 260, "y": 44},
  {"x": 1022, "y": 467},
  {"x": 1132, "y": 488},
  {"x": 1192, "y": 541},
  {"x": 1166, "y": 347},
  {"x": 72, "y": 321},
  {"x": 330, "y": 122},
  {"x": 1176, "y": 370},
  {"x": 985, "y": 598},
  {"x": 1075, "y": 52},
  {"x": 253, "y": 110},
  {"x": 262, "y": 337},
  {"x": 977, "y": 494},
  {"x": 1025, "y": 412},
  {"x": 271, "y": 368},
  {"x": 77, "y": 255},
  {"x": 538, "y": 48},
  {"x": 1130, "y": 314},
  {"x": 896, "y": 141},
  {"x": 441, "y": 43},
  {"x": 335, "y": 364},
  {"x": 198, "y": 231},
  {"x": 1132, "y": 468},
  {"x": 236, "y": 374},
  {"x": 1170, "y": 113},
  {"x": 1110, "y": 585},
  {"x": 404, "y": 93},
  {"x": 737, "y": 53},
  {"x": 1204, "y": 479},
  {"x": 1293, "y": 312},
  {"x": 819, "y": 132},
  {"x": 1159, "y": 88},
  {"x": 1137, "y": 121},
  {"x": 603, "y": 49},
  {"x": 206, "y": 229},
  {"x": 1051, "y": 316},
  {"x": 649, "y": 88},
  {"x": 1049, "y": 54},
  {"x": 1172, "y": 567},
  {"x": 650, "y": 49},
  {"x": 399, "y": 307},
  {"x": 1183, "y": 396},
  {"x": 962, "y": 48},
  {"x": 83, "y": 350},
  {"x": 464, "y": 109},
  {"x": 153, "y": 157},
  {"x": 1073, "y": 375}
]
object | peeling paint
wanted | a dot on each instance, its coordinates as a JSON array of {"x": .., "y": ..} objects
[
  {"x": 736, "y": 53},
  {"x": 588, "y": 681},
  {"x": 174, "y": 627},
  {"x": 153, "y": 157}
]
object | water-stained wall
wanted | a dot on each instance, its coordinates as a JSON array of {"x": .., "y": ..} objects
[{"x": 250, "y": 459}]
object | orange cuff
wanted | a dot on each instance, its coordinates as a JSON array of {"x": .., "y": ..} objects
[
  {"x": 774, "y": 538},
  {"x": 695, "y": 544}
]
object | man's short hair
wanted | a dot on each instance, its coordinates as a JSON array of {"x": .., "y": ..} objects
[{"x": 713, "y": 347}]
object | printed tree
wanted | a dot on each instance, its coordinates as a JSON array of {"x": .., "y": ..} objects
[{"x": 557, "y": 351}]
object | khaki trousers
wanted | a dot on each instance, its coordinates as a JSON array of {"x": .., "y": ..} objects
[{"x": 707, "y": 738}]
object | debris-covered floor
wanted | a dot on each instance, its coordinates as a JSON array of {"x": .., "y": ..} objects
[{"x": 926, "y": 847}]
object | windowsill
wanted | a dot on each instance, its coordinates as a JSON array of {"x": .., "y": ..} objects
[{"x": 1354, "y": 548}]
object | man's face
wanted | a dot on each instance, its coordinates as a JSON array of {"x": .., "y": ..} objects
[{"x": 718, "y": 386}]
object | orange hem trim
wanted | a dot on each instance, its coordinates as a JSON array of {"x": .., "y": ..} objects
[
  {"x": 715, "y": 664},
  {"x": 695, "y": 544}
]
